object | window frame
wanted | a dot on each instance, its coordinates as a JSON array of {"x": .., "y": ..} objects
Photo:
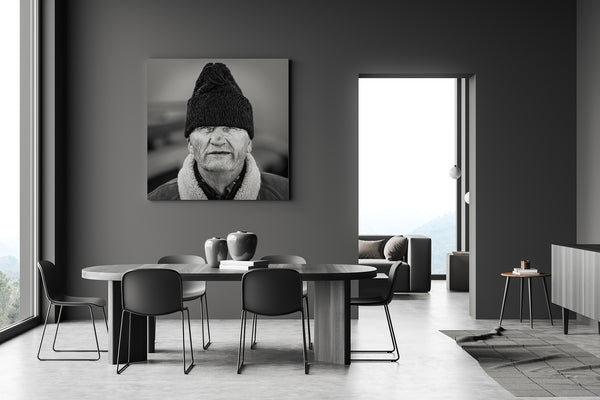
[{"x": 29, "y": 172}]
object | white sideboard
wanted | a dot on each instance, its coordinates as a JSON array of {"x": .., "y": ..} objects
[{"x": 576, "y": 280}]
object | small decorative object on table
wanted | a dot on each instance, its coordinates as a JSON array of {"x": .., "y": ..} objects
[
  {"x": 215, "y": 250},
  {"x": 243, "y": 265},
  {"x": 528, "y": 271},
  {"x": 242, "y": 245},
  {"x": 525, "y": 269}
]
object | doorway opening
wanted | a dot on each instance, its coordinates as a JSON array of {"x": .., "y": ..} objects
[{"x": 411, "y": 134}]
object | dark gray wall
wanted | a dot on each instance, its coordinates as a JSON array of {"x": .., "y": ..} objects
[
  {"x": 588, "y": 121},
  {"x": 523, "y": 55},
  {"x": 47, "y": 149}
]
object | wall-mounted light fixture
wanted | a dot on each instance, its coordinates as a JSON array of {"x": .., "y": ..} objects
[
  {"x": 455, "y": 172},
  {"x": 467, "y": 197}
]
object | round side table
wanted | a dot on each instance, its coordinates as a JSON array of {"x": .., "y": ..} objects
[{"x": 522, "y": 278}]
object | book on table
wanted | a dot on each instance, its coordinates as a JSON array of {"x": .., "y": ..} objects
[
  {"x": 528, "y": 271},
  {"x": 243, "y": 265}
]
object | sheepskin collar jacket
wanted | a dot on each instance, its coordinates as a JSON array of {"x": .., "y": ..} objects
[{"x": 256, "y": 185}]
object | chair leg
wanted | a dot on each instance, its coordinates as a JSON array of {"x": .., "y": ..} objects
[
  {"x": 202, "y": 321},
  {"x": 392, "y": 334},
  {"x": 95, "y": 334},
  {"x": 394, "y": 343},
  {"x": 304, "y": 355},
  {"x": 310, "y": 344},
  {"x": 105, "y": 319},
  {"x": 43, "y": 333},
  {"x": 120, "y": 340},
  {"x": 253, "y": 335},
  {"x": 186, "y": 370},
  {"x": 57, "y": 326},
  {"x": 97, "y": 350},
  {"x": 79, "y": 350},
  {"x": 203, "y": 307},
  {"x": 242, "y": 345}
]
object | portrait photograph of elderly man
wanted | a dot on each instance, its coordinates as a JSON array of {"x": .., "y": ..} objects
[{"x": 212, "y": 148}]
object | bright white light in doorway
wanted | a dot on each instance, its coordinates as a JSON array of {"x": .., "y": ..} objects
[{"x": 406, "y": 145}]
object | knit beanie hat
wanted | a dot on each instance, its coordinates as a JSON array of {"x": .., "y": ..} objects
[{"x": 217, "y": 100}]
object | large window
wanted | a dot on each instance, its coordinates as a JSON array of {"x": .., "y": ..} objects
[
  {"x": 17, "y": 161},
  {"x": 407, "y": 145}
]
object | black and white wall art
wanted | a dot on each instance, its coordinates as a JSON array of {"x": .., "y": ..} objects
[{"x": 218, "y": 129}]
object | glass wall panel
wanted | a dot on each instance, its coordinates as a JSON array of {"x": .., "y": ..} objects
[{"x": 17, "y": 162}]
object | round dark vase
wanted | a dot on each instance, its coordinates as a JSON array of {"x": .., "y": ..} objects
[
  {"x": 242, "y": 245},
  {"x": 215, "y": 250}
]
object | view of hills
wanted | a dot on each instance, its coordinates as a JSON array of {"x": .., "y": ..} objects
[
  {"x": 9, "y": 265},
  {"x": 9, "y": 249},
  {"x": 442, "y": 231},
  {"x": 9, "y": 290}
]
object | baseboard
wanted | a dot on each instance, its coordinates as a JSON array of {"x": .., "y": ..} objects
[{"x": 18, "y": 328}]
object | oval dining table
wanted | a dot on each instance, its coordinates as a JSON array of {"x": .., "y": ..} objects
[{"x": 331, "y": 314}]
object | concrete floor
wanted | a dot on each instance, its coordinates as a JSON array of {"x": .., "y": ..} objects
[{"x": 431, "y": 365}]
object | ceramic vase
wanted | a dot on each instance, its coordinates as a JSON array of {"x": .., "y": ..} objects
[
  {"x": 242, "y": 245},
  {"x": 215, "y": 250}
]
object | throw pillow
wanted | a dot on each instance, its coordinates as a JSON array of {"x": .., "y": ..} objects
[
  {"x": 395, "y": 248},
  {"x": 370, "y": 248}
]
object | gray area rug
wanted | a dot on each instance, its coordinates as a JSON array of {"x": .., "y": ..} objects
[{"x": 532, "y": 364}]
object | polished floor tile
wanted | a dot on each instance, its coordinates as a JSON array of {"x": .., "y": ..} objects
[{"x": 431, "y": 365}]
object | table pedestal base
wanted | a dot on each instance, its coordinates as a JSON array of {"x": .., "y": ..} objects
[{"x": 332, "y": 322}]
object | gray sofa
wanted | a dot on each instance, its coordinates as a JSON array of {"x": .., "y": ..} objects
[{"x": 416, "y": 277}]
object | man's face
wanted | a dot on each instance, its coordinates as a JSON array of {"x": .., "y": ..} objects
[{"x": 219, "y": 148}]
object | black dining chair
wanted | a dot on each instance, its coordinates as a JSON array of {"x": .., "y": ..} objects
[
  {"x": 152, "y": 292},
  {"x": 386, "y": 296},
  {"x": 286, "y": 259},
  {"x": 193, "y": 290},
  {"x": 270, "y": 292},
  {"x": 53, "y": 281}
]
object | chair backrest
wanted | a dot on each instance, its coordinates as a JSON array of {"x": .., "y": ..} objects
[
  {"x": 284, "y": 259},
  {"x": 272, "y": 291},
  {"x": 52, "y": 279},
  {"x": 182, "y": 259},
  {"x": 392, "y": 278},
  {"x": 152, "y": 291}
]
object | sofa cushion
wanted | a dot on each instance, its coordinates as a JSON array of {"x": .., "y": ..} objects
[
  {"x": 370, "y": 248},
  {"x": 376, "y": 262},
  {"x": 395, "y": 248}
]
